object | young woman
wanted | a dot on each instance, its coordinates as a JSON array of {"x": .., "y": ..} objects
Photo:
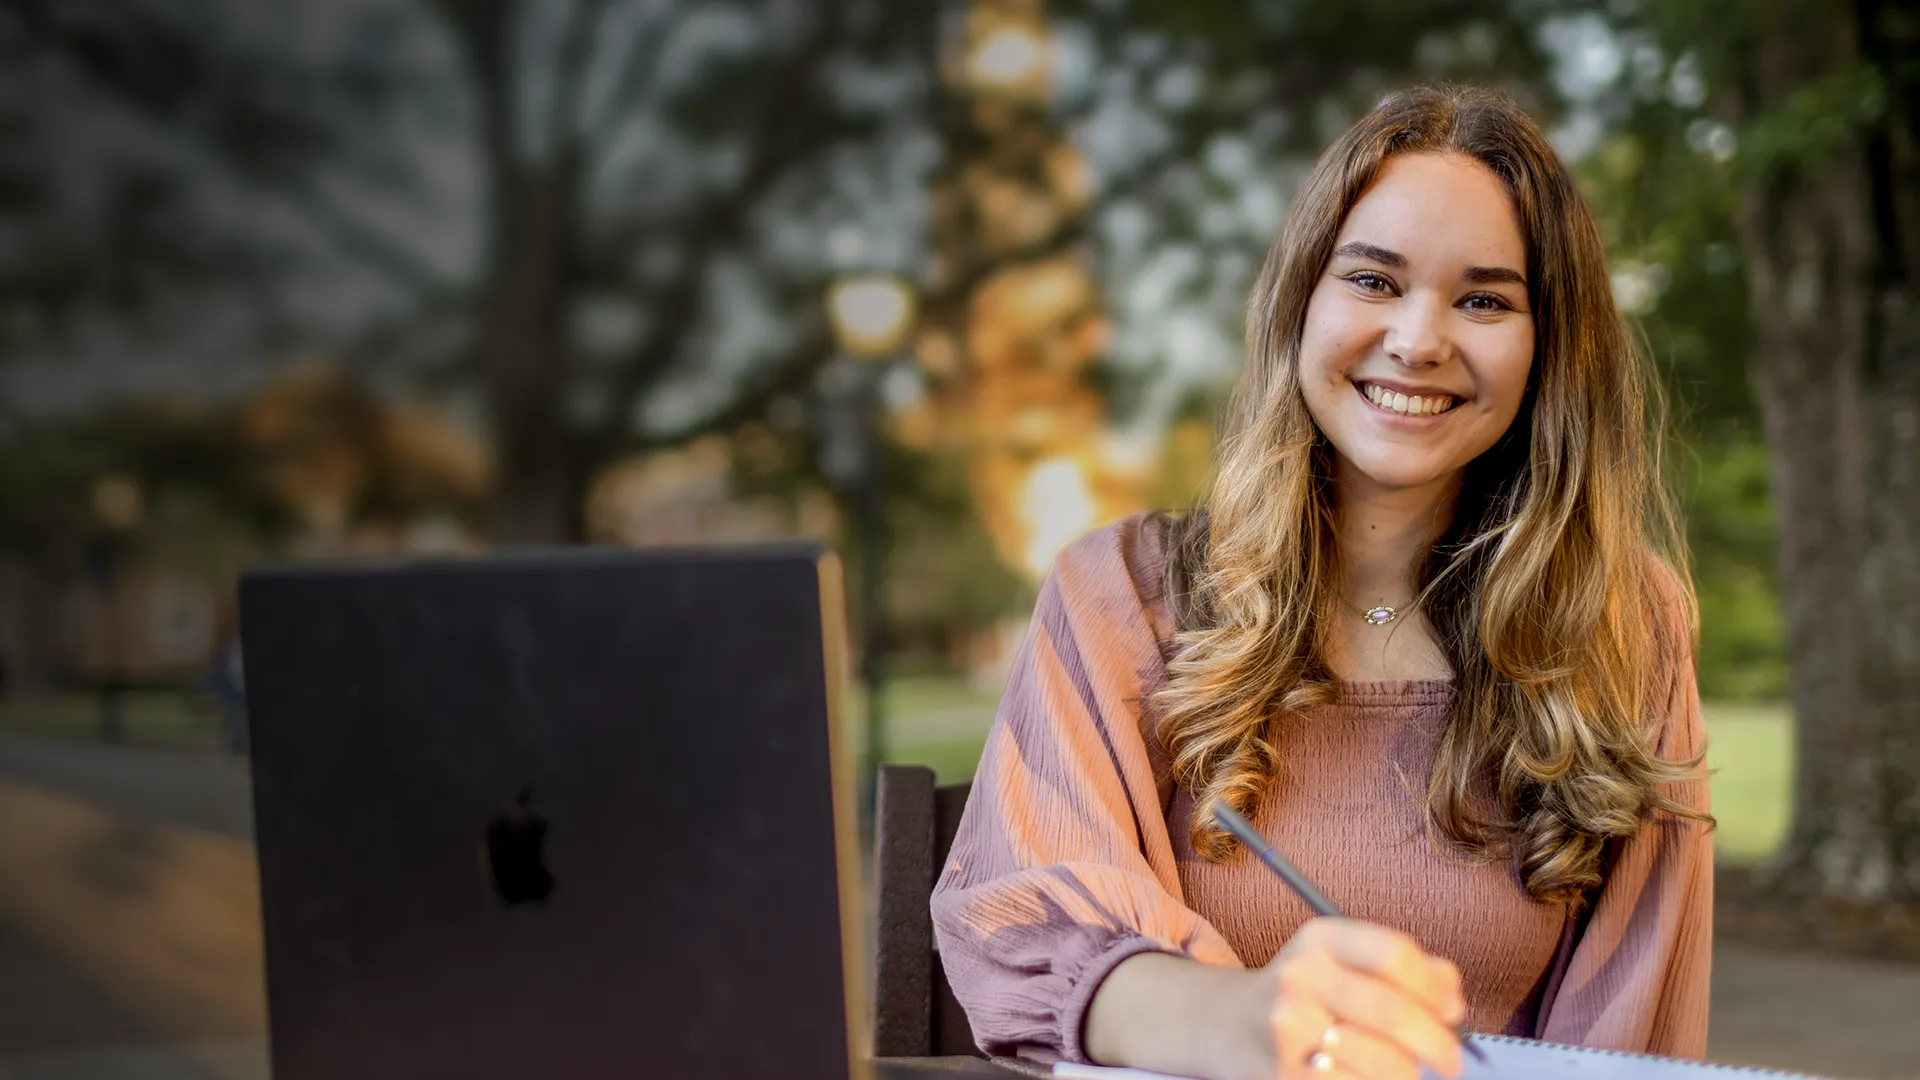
[{"x": 1420, "y": 634}]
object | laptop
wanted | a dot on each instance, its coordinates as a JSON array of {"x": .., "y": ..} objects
[{"x": 569, "y": 814}]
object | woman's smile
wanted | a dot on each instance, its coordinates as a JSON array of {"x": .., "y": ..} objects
[{"x": 1401, "y": 402}]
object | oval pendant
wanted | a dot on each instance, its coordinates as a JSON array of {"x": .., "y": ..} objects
[{"x": 1379, "y": 616}]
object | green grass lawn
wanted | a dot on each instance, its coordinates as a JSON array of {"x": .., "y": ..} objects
[
  {"x": 919, "y": 695},
  {"x": 166, "y": 718},
  {"x": 1750, "y": 753}
]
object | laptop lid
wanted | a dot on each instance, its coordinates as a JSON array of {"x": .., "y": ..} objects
[{"x": 573, "y": 813}]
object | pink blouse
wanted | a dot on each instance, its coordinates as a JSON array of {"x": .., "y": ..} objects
[{"x": 1073, "y": 852}]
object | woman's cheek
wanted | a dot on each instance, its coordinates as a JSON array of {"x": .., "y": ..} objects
[{"x": 1506, "y": 363}]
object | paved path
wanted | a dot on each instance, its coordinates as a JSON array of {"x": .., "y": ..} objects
[
  {"x": 129, "y": 937},
  {"x": 194, "y": 788},
  {"x": 242, "y": 1058},
  {"x": 1820, "y": 1013},
  {"x": 129, "y": 907}
]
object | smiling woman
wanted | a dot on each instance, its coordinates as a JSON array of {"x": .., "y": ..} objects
[{"x": 1421, "y": 633}]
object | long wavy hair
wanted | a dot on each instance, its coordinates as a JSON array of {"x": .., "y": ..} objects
[{"x": 1556, "y": 590}]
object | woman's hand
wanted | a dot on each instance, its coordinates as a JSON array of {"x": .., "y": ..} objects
[
  {"x": 1348, "y": 999},
  {"x": 1362, "y": 995}
]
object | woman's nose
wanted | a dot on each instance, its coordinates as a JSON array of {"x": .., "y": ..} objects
[{"x": 1416, "y": 336}]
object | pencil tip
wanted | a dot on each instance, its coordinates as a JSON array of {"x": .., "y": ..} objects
[{"x": 1467, "y": 1044}]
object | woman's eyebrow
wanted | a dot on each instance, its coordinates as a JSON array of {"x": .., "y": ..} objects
[
  {"x": 1371, "y": 252},
  {"x": 1493, "y": 275}
]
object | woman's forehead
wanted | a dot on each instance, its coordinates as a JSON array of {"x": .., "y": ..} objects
[{"x": 1438, "y": 208}]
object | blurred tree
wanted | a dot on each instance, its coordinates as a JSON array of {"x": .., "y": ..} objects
[
  {"x": 1812, "y": 109},
  {"x": 1830, "y": 215},
  {"x": 608, "y": 217},
  {"x": 602, "y": 217}
]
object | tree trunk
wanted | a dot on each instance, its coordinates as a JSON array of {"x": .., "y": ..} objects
[
  {"x": 1890, "y": 580},
  {"x": 1890, "y": 385},
  {"x": 1840, "y": 404},
  {"x": 523, "y": 343},
  {"x": 526, "y": 350}
]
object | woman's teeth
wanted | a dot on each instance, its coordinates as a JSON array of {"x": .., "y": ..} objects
[{"x": 1411, "y": 405}]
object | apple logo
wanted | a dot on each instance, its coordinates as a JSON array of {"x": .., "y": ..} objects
[{"x": 516, "y": 856}]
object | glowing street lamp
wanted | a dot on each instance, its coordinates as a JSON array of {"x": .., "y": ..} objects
[
  {"x": 871, "y": 314},
  {"x": 118, "y": 502},
  {"x": 1012, "y": 58}
]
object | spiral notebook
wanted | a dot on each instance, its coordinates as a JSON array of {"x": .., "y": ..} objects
[{"x": 1510, "y": 1058}]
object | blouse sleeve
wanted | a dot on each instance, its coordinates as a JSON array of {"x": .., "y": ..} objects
[
  {"x": 1062, "y": 866},
  {"x": 1637, "y": 979}
]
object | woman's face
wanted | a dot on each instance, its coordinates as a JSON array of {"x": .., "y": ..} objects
[{"x": 1419, "y": 338}]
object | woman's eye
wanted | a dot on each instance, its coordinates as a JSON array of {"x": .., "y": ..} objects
[
  {"x": 1369, "y": 281},
  {"x": 1486, "y": 304}
]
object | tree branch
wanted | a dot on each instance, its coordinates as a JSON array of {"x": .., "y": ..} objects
[
  {"x": 789, "y": 375},
  {"x": 636, "y": 83},
  {"x": 291, "y": 186},
  {"x": 570, "y": 67},
  {"x": 655, "y": 355},
  {"x": 370, "y": 245},
  {"x": 776, "y": 145}
]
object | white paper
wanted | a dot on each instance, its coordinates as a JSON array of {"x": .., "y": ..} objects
[
  {"x": 1102, "y": 1072},
  {"x": 1516, "y": 1059}
]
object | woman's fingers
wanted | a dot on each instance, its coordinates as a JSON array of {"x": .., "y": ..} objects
[
  {"x": 1306, "y": 1032},
  {"x": 1299, "y": 1025},
  {"x": 1394, "y": 1005},
  {"x": 1382, "y": 1012}
]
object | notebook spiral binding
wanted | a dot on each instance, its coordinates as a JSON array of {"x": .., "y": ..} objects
[{"x": 1738, "y": 1070}]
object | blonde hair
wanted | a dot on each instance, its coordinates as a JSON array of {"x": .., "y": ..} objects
[{"x": 1546, "y": 595}]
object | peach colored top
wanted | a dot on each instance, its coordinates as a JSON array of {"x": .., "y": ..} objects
[{"x": 1073, "y": 852}]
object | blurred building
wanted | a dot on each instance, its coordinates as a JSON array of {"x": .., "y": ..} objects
[{"x": 151, "y": 627}]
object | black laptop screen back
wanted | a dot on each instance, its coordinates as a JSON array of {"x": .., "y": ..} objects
[{"x": 658, "y": 725}]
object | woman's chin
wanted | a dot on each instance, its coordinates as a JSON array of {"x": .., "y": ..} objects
[{"x": 1398, "y": 476}]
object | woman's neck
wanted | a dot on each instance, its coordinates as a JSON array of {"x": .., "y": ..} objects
[{"x": 1384, "y": 534}]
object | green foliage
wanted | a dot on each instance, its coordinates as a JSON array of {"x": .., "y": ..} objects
[
  {"x": 177, "y": 456},
  {"x": 947, "y": 582},
  {"x": 1800, "y": 131},
  {"x": 1669, "y": 212},
  {"x": 1730, "y": 528}
]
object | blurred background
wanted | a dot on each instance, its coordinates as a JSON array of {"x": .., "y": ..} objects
[{"x": 944, "y": 283}]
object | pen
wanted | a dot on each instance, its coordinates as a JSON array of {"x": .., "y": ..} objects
[{"x": 1240, "y": 827}]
